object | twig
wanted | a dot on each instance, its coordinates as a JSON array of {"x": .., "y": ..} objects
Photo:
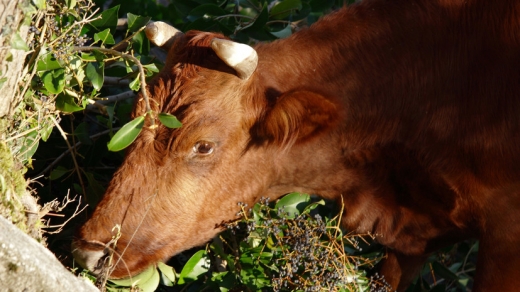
[
  {"x": 139, "y": 65},
  {"x": 50, "y": 166},
  {"x": 110, "y": 99},
  {"x": 66, "y": 201},
  {"x": 118, "y": 46},
  {"x": 64, "y": 135},
  {"x": 116, "y": 81}
]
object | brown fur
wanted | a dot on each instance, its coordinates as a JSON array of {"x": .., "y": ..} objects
[{"x": 407, "y": 109}]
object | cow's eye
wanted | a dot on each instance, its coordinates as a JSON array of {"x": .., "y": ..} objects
[{"x": 203, "y": 147}]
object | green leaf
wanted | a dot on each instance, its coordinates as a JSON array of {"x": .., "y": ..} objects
[
  {"x": 58, "y": 172},
  {"x": 169, "y": 120},
  {"x": 126, "y": 135},
  {"x": 40, "y": 4},
  {"x": 105, "y": 37},
  {"x": 168, "y": 275},
  {"x": 152, "y": 283},
  {"x": 135, "y": 22},
  {"x": 287, "y": 31},
  {"x": 66, "y": 104},
  {"x": 205, "y": 11},
  {"x": 135, "y": 84},
  {"x": 108, "y": 19},
  {"x": 47, "y": 62},
  {"x": 96, "y": 74},
  {"x": 81, "y": 133},
  {"x": 313, "y": 206},
  {"x": 140, "y": 280},
  {"x": 285, "y": 8},
  {"x": 141, "y": 44},
  {"x": 197, "y": 265},
  {"x": 293, "y": 204},
  {"x": 259, "y": 22},
  {"x": 71, "y": 4},
  {"x": 29, "y": 145},
  {"x": 54, "y": 81},
  {"x": 18, "y": 43},
  {"x": 46, "y": 129}
]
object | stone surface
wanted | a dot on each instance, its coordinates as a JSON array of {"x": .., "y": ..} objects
[{"x": 25, "y": 265}]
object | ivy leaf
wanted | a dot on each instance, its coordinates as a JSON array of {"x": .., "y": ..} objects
[
  {"x": 286, "y": 32},
  {"x": 96, "y": 74},
  {"x": 293, "y": 204},
  {"x": 105, "y": 37},
  {"x": 18, "y": 43},
  {"x": 47, "y": 62},
  {"x": 285, "y": 8},
  {"x": 71, "y": 4},
  {"x": 197, "y": 265},
  {"x": 54, "y": 81},
  {"x": 169, "y": 120},
  {"x": 66, "y": 104},
  {"x": 135, "y": 22},
  {"x": 41, "y": 4},
  {"x": 58, "y": 172},
  {"x": 135, "y": 84},
  {"x": 126, "y": 135},
  {"x": 205, "y": 11},
  {"x": 108, "y": 19},
  {"x": 141, "y": 280},
  {"x": 168, "y": 274},
  {"x": 141, "y": 44}
]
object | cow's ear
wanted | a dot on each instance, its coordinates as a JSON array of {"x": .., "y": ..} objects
[{"x": 295, "y": 117}]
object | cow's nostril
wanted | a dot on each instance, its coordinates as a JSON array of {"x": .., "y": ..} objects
[{"x": 89, "y": 255}]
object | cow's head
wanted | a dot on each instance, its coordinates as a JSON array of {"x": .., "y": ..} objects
[{"x": 176, "y": 186}]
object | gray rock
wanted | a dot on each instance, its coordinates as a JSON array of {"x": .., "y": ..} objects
[{"x": 25, "y": 265}]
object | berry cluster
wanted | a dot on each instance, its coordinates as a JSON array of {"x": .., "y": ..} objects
[
  {"x": 61, "y": 27},
  {"x": 308, "y": 251}
]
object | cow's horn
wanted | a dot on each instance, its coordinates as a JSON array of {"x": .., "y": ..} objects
[
  {"x": 162, "y": 34},
  {"x": 240, "y": 57}
]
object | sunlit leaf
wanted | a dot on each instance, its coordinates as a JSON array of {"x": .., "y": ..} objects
[
  {"x": 71, "y": 4},
  {"x": 168, "y": 275},
  {"x": 40, "y": 4},
  {"x": 135, "y": 84},
  {"x": 47, "y": 62},
  {"x": 18, "y": 43},
  {"x": 96, "y": 74},
  {"x": 169, "y": 120},
  {"x": 54, "y": 81},
  {"x": 126, "y": 135},
  {"x": 149, "y": 274},
  {"x": 293, "y": 203},
  {"x": 105, "y": 37},
  {"x": 197, "y": 265}
]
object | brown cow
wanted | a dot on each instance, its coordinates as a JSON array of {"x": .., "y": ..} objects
[{"x": 407, "y": 109}]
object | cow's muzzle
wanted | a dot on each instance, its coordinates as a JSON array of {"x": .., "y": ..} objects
[{"x": 90, "y": 255}]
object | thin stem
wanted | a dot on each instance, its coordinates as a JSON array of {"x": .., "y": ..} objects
[
  {"x": 64, "y": 135},
  {"x": 53, "y": 163},
  {"x": 135, "y": 61}
]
